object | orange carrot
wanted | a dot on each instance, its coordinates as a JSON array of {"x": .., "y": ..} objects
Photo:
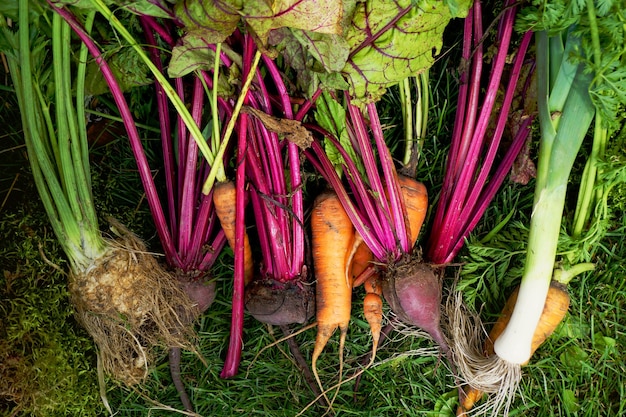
[
  {"x": 373, "y": 312},
  {"x": 373, "y": 302},
  {"x": 416, "y": 202},
  {"x": 372, "y": 285},
  {"x": 554, "y": 310},
  {"x": 332, "y": 246},
  {"x": 361, "y": 259},
  {"x": 224, "y": 197}
]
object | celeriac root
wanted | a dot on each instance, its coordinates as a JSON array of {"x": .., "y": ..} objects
[
  {"x": 488, "y": 374},
  {"x": 130, "y": 306}
]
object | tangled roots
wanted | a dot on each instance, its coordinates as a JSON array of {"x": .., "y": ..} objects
[
  {"x": 482, "y": 372},
  {"x": 130, "y": 306}
]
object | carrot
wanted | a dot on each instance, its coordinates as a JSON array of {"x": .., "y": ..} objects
[
  {"x": 224, "y": 197},
  {"x": 554, "y": 310},
  {"x": 372, "y": 302},
  {"x": 373, "y": 312},
  {"x": 416, "y": 202},
  {"x": 361, "y": 259},
  {"x": 332, "y": 246},
  {"x": 372, "y": 285}
]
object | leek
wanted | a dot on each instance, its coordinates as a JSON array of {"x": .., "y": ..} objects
[{"x": 565, "y": 115}]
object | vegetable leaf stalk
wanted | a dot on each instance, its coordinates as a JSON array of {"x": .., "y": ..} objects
[{"x": 470, "y": 181}]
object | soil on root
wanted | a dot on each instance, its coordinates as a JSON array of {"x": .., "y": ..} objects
[{"x": 280, "y": 303}]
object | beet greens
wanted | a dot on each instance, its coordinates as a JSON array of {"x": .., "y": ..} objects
[{"x": 281, "y": 294}]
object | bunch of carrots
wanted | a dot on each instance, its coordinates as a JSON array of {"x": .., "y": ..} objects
[{"x": 366, "y": 220}]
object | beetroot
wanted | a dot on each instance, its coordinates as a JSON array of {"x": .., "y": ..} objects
[
  {"x": 414, "y": 293},
  {"x": 201, "y": 293},
  {"x": 280, "y": 303}
]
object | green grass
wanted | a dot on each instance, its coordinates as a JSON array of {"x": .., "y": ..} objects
[{"x": 50, "y": 361}]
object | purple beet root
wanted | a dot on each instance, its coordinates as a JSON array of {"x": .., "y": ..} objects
[
  {"x": 202, "y": 293},
  {"x": 174, "y": 358},
  {"x": 414, "y": 294},
  {"x": 280, "y": 303}
]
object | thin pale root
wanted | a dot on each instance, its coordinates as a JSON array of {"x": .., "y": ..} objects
[
  {"x": 276, "y": 342},
  {"x": 488, "y": 374}
]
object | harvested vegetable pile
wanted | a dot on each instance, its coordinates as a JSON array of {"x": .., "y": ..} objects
[{"x": 398, "y": 171}]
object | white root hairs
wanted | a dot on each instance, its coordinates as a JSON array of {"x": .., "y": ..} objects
[
  {"x": 401, "y": 332},
  {"x": 490, "y": 375},
  {"x": 405, "y": 330}
]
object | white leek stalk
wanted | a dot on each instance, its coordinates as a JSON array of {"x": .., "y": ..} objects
[{"x": 565, "y": 114}]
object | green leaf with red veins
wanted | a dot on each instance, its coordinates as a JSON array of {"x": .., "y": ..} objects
[
  {"x": 330, "y": 51},
  {"x": 391, "y": 40},
  {"x": 214, "y": 21},
  {"x": 193, "y": 54},
  {"x": 321, "y": 16},
  {"x": 317, "y": 58},
  {"x": 210, "y": 21}
]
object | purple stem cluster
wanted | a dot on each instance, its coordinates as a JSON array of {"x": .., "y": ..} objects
[
  {"x": 273, "y": 169},
  {"x": 277, "y": 201},
  {"x": 192, "y": 217},
  {"x": 470, "y": 183},
  {"x": 374, "y": 204}
]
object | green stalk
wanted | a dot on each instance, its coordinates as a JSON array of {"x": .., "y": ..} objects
[
  {"x": 81, "y": 119},
  {"x": 564, "y": 276},
  {"x": 587, "y": 187},
  {"x": 407, "y": 116},
  {"x": 561, "y": 138},
  {"x": 65, "y": 135},
  {"x": 414, "y": 125},
  {"x": 423, "y": 103},
  {"x": 586, "y": 196},
  {"x": 44, "y": 171},
  {"x": 208, "y": 185},
  {"x": 557, "y": 50},
  {"x": 562, "y": 77},
  {"x": 77, "y": 171},
  {"x": 220, "y": 173},
  {"x": 78, "y": 125},
  {"x": 58, "y": 173},
  {"x": 548, "y": 131},
  {"x": 120, "y": 120}
]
